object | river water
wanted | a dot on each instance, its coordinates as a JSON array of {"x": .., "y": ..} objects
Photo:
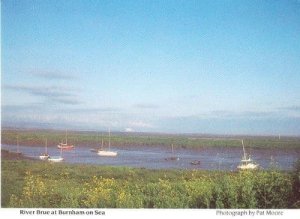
[{"x": 213, "y": 158}]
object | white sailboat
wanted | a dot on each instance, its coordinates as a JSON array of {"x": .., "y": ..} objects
[
  {"x": 45, "y": 155},
  {"x": 95, "y": 149},
  {"x": 173, "y": 157},
  {"x": 56, "y": 159},
  {"x": 107, "y": 153},
  {"x": 247, "y": 163}
]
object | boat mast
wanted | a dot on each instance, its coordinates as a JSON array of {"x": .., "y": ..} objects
[
  {"x": 172, "y": 149},
  {"x": 244, "y": 149},
  {"x": 18, "y": 144},
  {"x": 97, "y": 139},
  {"x": 66, "y": 137},
  {"x": 109, "y": 139},
  {"x": 46, "y": 149},
  {"x": 101, "y": 140}
]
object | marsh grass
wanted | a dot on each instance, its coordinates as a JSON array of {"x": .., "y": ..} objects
[
  {"x": 37, "y": 137},
  {"x": 40, "y": 184}
]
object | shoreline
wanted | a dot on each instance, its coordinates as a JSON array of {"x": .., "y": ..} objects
[
  {"x": 10, "y": 155},
  {"x": 134, "y": 140},
  {"x": 176, "y": 187}
]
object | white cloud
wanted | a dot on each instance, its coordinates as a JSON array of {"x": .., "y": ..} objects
[{"x": 129, "y": 130}]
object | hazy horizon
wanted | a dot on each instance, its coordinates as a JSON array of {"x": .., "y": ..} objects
[{"x": 211, "y": 67}]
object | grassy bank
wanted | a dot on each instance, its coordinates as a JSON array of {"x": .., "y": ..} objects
[
  {"x": 37, "y": 137},
  {"x": 27, "y": 183}
]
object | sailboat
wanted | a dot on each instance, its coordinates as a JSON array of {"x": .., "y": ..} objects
[
  {"x": 45, "y": 155},
  {"x": 247, "y": 163},
  {"x": 56, "y": 159},
  {"x": 107, "y": 153},
  {"x": 65, "y": 146},
  {"x": 173, "y": 157},
  {"x": 95, "y": 149}
]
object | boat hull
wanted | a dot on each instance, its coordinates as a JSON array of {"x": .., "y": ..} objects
[
  {"x": 107, "y": 153},
  {"x": 249, "y": 166},
  {"x": 44, "y": 157},
  {"x": 68, "y": 147},
  {"x": 55, "y": 159},
  {"x": 172, "y": 158},
  {"x": 195, "y": 162}
]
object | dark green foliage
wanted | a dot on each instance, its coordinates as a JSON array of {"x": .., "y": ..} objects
[
  {"x": 295, "y": 201},
  {"x": 273, "y": 189}
]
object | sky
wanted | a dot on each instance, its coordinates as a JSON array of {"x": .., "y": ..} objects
[{"x": 217, "y": 67}]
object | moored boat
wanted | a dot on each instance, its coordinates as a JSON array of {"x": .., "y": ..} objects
[
  {"x": 107, "y": 153},
  {"x": 195, "y": 162},
  {"x": 45, "y": 156},
  {"x": 247, "y": 163},
  {"x": 56, "y": 159},
  {"x": 65, "y": 146},
  {"x": 172, "y": 158}
]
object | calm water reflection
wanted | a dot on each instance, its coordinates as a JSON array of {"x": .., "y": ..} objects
[{"x": 223, "y": 158}]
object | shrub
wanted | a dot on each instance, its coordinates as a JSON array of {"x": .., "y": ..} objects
[
  {"x": 166, "y": 194},
  {"x": 51, "y": 187},
  {"x": 100, "y": 193},
  {"x": 129, "y": 196},
  {"x": 34, "y": 193},
  {"x": 273, "y": 189},
  {"x": 199, "y": 193}
]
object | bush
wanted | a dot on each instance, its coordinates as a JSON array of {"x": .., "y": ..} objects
[
  {"x": 100, "y": 193},
  {"x": 273, "y": 189},
  {"x": 54, "y": 188},
  {"x": 199, "y": 193},
  {"x": 295, "y": 200},
  {"x": 166, "y": 194}
]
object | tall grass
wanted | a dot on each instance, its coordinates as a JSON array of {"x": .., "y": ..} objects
[
  {"x": 37, "y": 137},
  {"x": 38, "y": 184}
]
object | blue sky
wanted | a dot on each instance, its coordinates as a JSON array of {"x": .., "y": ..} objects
[{"x": 220, "y": 67}]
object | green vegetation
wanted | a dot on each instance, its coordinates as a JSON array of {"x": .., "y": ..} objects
[
  {"x": 37, "y": 137},
  {"x": 27, "y": 183}
]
